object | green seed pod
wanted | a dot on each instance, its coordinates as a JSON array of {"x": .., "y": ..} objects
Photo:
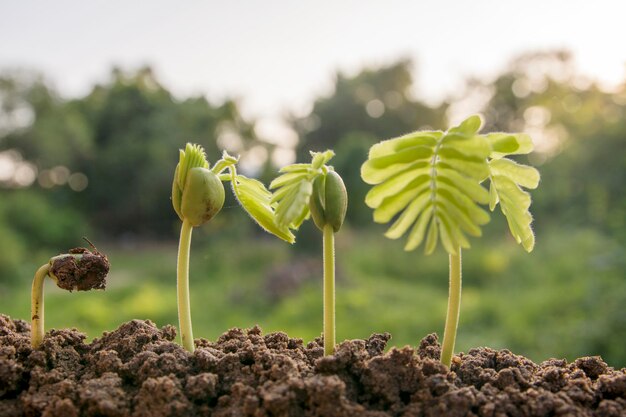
[
  {"x": 329, "y": 201},
  {"x": 316, "y": 203},
  {"x": 202, "y": 196},
  {"x": 177, "y": 194},
  {"x": 197, "y": 193}
]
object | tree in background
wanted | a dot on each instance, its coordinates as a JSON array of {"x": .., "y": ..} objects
[
  {"x": 580, "y": 135},
  {"x": 118, "y": 140}
]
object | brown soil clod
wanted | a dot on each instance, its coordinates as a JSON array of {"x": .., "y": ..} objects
[
  {"x": 137, "y": 370},
  {"x": 84, "y": 273}
]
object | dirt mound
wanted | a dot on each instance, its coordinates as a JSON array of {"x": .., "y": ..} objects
[{"x": 137, "y": 370}]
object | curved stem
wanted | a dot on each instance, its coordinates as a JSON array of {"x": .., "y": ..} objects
[
  {"x": 182, "y": 285},
  {"x": 454, "y": 307},
  {"x": 329, "y": 290},
  {"x": 36, "y": 306}
]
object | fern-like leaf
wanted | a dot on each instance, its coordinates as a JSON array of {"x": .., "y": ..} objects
[
  {"x": 507, "y": 180},
  {"x": 293, "y": 189},
  {"x": 430, "y": 182}
]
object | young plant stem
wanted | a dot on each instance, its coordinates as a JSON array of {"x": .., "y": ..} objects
[
  {"x": 329, "y": 290},
  {"x": 36, "y": 306},
  {"x": 182, "y": 273},
  {"x": 454, "y": 306}
]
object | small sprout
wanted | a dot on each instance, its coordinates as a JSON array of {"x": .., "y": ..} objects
[
  {"x": 197, "y": 196},
  {"x": 197, "y": 193},
  {"x": 315, "y": 190},
  {"x": 78, "y": 270},
  {"x": 430, "y": 183}
]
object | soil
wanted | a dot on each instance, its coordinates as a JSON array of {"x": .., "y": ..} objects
[{"x": 138, "y": 370}]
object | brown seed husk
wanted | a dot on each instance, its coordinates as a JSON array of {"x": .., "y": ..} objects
[{"x": 83, "y": 274}]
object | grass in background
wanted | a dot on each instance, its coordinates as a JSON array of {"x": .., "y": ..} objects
[{"x": 564, "y": 300}]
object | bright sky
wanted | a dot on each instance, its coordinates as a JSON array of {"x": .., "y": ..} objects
[{"x": 277, "y": 55}]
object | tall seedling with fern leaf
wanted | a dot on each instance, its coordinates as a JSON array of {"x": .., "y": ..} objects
[
  {"x": 197, "y": 196},
  {"x": 315, "y": 190},
  {"x": 430, "y": 183}
]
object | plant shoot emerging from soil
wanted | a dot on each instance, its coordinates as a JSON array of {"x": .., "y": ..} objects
[
  {"x": 430, "y": 182},
  {"x": 315, "y": 190},
  {"x": 77, "y": 270},
  {"x": 197, "y": 196}
]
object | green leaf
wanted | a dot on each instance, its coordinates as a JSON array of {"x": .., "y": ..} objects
[
  {"x": 192, "y": 157},
  {"x": 430, "y": 181},
  {"x": 294, "y": 203},
  {"x": 448, "y": 242},
  {"x": 474, "y": 147},
  {"x": 522, "y": 175},
  {"x": 507, "y": 180},
  {"x": 305, "y": 214},
  {"x": 408, "y": 216},
  {"x": 493, "y": 196},
  {"x": 409, "y": 155},
  {"x": 395, "y": 184},
  {"x": 255, "y": 200},
  {"x": 391, "y": 146},
  {"x": 459, "y": 213},
  {"x": 469, "y": 126},
  {"x": 431, "y": 239},
  {"x": 375, "y": 176},
  {"x": 295, "y": 168},
  {"x": 394, "y": 204},
  {"x": 293, "y": 189},
  {"x": 320, "y": 158},
  {"x": 503, "y": 144},
  {"x": 288, "y": 179},
  {"x": 514, "y": 204},
  {"x": 473, "y": 168},
  {"x": 467, "y": 186},
  {"x": 416, "y": 236}
]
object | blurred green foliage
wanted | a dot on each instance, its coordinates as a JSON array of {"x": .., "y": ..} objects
[{"x": 566, "y": 299}]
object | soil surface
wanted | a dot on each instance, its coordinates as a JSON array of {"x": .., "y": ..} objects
[{"x": 138, "y": 370}]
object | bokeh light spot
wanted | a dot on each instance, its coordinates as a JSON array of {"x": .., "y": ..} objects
[{"x": 375, "y": 108}]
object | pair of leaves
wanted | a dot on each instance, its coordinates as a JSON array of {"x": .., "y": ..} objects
[
  {"x": 293, "y": 189},
  {"x": 430, "y": 182}
]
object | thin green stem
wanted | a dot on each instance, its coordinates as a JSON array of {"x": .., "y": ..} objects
[
  {"x": 329, "y": 290},
  {"x": 454, "y": 306},
  {"x": 182, "y": 275},
  {"x": 36, "y": 306}
]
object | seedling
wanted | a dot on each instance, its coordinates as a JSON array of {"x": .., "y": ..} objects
[
  {"x": 79, "y": 269},
  {"x": 430, "y": 182},
  {"x": 197, "y": 196},
  {"x": 315, "y": 190}
]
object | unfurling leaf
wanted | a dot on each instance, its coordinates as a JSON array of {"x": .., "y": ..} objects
[{"x": 293, "y": 189}]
